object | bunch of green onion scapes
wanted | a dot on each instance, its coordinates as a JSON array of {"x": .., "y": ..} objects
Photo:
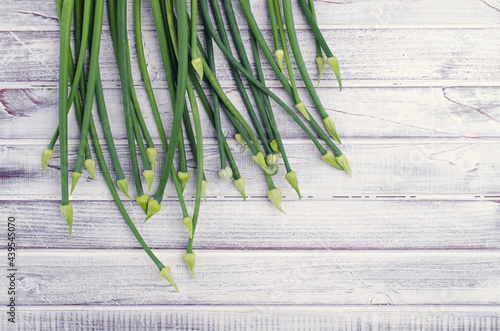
[{"x": 190, "y": 71}]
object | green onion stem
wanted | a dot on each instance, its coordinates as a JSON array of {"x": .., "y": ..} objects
[{"x": 320, "y": 61}]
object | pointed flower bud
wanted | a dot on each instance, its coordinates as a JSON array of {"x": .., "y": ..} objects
[
  {"x": 143, "y": 202},
  {"x": 75, "y": 176},
  {"x": 123, "y": 185},
  {"x": 301, "y": 106},
  {"x": 183, "y": 179},
  {"x": 204, "y": 189},
  {"x": 190, "y": 259},
  {"x": 166, "y": 273},
  {"x": 240, "y": 185},
  {"x": 279, "y": 56},
  {"x": 46, "y": 155},
  {"x": 272, "y": 159},
  {"x": 320, "y": 61},
  {"x": 240, "y": 139},
  {"x": 226, "y": 174},
  {"x": 90, "y": 165},
  {"x": 153, "y": 208},
  {"x": 152, "y": 152},
  {"x": 150, "y": 176},
  {"x": 330, "y": 128},
  {"x": 188, "y": 222},
  {"x": 67, "y": 212},
  {"x": 342, "y": 161},
  {"x": 274, "y": 146},
  {"x": 275, "y": 197},
  {"x": 291, "y": 178},
  {"x": 259, "y": 159},
  {"x": 198, "y": 66},
  {"x": 329, "y": 158},
  {"x": 334, "y": 64}
]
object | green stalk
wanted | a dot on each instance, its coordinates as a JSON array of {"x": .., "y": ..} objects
[
  {"x": 148, "y": 173},
  {"x": 65, "y": 27},
  {"x": 330, "y": 58},
  {"x": 277, "y": 46},
  {"x": 320, "y": 61},
  {"x": 196, "y": 60}
]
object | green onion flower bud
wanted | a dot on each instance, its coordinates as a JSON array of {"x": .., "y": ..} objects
[
  {"x": 166, "y": 273},
  {"x": 259, "y": 159},
  {"x": 152, "y": 152},
  {"x": 123, "y": 185},
  {"x": 226, "y": 174},
  {"x": 204, "y": 189},
  {"x": 90, "y": 165},
  {"x": 149, "y": 175},
  {"x": 302, "y": 108},
  {"x": 334, "y": 64},
  {"x": 274, "y": 146},
  {"x": 320, "y": 61},
  {"x": 329, "y": 158},
  {"x": 275, "y": 197},
  {"x": 46, "y": 155},
  {"x": 272, "y": 159},
  {"x": 190, "y": 259},
  {"x": 188, "y": 222},
  {"x": 240, "y": 139},
  {"x": 240, "y": 185},
  {"x": 75, "y": 176},
  {"x": 291, "y": 178},
  {"x": 183, "y": 179},
  {"x": 67, "y": 212},
  {"x": 342, "y": 161},
  {"x": 279, "y": 56},
  {"x": 330, "y": 128},
  {"x": 153, "y": 208},
  {"x": 198, "y": 66},
  {"x": 143, "y": 202}
]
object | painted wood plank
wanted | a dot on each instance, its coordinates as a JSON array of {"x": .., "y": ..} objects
[
  {"x": 382, "y": 113},
  {"x": 41, "y": 13},
  {"x": 387, "y": 54},
  {"x": 354, "y": 224},
  {"x": 395, "y": 169},
  {"x": 259, "y": 278},
  {"x": 137, "y": 318}
]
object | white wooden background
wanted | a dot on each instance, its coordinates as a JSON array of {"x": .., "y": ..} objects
[{"x": 412, "y": 241}]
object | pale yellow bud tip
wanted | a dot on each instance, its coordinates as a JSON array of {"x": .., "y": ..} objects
[
  {"x": 204, "y": 189},
  {"x": 153, "y": 208},
  {"x": 274, "y": 146},
  {"x": 275, "y": 197},
  {"x": 75, "y": 176},
  {"x": 188, "y": 222},
  {"x": 183, "y": 179},
  {"x": 240, "y": 185},
  {"x": 330, "y": 128},
  {"x": 46, "y": 155},
  {"x": 190, "y": 259},
  {"x": 198, "y": 66},
  {"x": 67, "y": 212},
  {"x": 334, "y": 64},
  {"x": 123, "y": 185},
  {"x": 320, "y": 61},
  {"x": 260, "y": 160},
  {"x": 240, "y": 139},
  {"x": 279, "y": 56},
  {"x": 272, "y": 159},
  {"x": 90, "y": 166},
  {"x": 342, "y": 161},
  {"x": 302, "y": 108},
  {"x": 291, "y": 178},
  {"x": 329, "y": 158},
  {"x": 150, "y": 176},
  {"x": 152, "y": 152},
  {"x": 143, "y": 202},
  {"x": 226, "y": 174},
  {"x": 166, "y": 273}
]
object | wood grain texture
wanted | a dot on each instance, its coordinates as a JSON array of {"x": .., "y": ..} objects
[
  {"x": 260, "y": 278},
  {"x": 352, "y": 224},
  {"x": 383, "y": 113},
  {"x": 286, "y": 318}
]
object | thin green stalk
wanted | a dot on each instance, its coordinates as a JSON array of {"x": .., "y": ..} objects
[
  {"x": 278, "y": 51},
  {"x": 320, "y": 61},
  {"x": 196, "y": 60}
]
